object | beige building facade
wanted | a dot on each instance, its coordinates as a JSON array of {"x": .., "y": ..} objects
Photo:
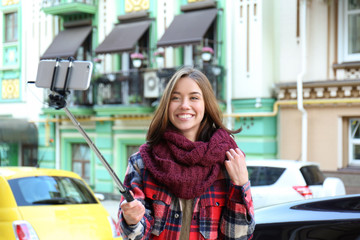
[
  {"x": 328, "y": 141},
  {"x": 320, "y": 53}
]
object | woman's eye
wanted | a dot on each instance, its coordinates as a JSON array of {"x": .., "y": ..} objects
[{"x": 174, "y": 98}]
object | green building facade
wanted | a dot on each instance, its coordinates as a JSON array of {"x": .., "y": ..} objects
[{"x": 117, "y": 108}]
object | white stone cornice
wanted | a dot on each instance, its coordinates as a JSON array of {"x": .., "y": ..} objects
[
  {"x": 306, "y": 92},
  {"x": 333, "y": 91},
  {"x": 293, "y": 93},
  {"x": 347, "y": 91},
  {"x": 281, "y": 94},
  {"x": 319, "y": 92}
]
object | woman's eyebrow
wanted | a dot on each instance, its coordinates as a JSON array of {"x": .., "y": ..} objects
[
  {"x": 197, "y": 93},
  {"x": 191, "y": 93}
]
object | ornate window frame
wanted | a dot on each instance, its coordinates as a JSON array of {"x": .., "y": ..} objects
[
  {"x": 343, "y": 36},
  {"x": 354, "y": 141}
]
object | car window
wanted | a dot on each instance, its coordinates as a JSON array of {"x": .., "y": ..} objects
[
  {"x": 261, "y": 176},
  {"x": 312, "y": 175},
  {"x": 50, "y": 191}
]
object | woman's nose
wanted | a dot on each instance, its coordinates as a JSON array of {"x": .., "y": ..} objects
[{"x": 185, "y": 104}]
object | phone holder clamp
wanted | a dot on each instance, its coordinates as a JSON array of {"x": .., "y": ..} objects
[{"x": 57, "y": 98}]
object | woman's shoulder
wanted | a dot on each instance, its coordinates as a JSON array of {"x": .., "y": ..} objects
[{"x": 136, "y": 159}]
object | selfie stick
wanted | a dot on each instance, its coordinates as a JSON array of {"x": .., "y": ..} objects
[{"x": 59, "y": 101}]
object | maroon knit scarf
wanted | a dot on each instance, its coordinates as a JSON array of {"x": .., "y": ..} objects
[{"x": 187, "y": 168}]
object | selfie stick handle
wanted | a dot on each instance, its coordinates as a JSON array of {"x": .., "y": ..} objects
[{"x": 123, "y": 190}]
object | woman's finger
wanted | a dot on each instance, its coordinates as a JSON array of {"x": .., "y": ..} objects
[
  {"x": 239, "y": 152},
  {"x": 236, "y": 166}
]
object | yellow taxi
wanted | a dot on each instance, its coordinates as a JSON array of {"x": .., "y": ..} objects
[{"x": 41, "y": 204}]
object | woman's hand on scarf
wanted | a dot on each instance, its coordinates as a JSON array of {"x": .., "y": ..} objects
[
  {"x": 236, "y": 166},
  {"x": 133, "y": 211}
]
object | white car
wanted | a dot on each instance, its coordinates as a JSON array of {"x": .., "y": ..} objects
[{"x": 278, "y": 181}]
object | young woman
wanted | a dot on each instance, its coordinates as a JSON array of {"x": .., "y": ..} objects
[{"x": 190, "y": 179}]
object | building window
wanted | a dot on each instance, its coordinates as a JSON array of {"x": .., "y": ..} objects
[
  {"x": 29, "y": 155},
  {"x": 349, "y": 36},
  {"x": 131, "y": 149},
  {"x": 4, "y": 154},
  {"x": 354, "y": 142},
  {"x": 11, "y": 27},
  {"x": 84, "y": 51},
  {"x": 81, "y": 160}
]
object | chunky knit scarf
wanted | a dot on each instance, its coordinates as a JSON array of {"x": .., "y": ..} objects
[{"x": 187, "y": 168}]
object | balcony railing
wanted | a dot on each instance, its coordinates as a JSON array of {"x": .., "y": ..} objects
[
  {"x": 130, "y": 87},
  {"x": 125, "y": 87},
  {"x": 53, "y": 3},
  {"x": 69, "y": 7}
]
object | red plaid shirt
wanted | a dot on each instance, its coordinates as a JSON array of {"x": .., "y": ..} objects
[{"x": 224, "y": 211}]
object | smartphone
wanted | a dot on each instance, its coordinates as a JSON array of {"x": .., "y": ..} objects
[{"x": 79, "y": 78}]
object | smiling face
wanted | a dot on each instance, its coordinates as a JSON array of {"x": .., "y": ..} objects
[{"x": 187, "y": 107}]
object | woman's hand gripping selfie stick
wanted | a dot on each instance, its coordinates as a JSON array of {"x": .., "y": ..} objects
[{"x": 58, "y": 100}]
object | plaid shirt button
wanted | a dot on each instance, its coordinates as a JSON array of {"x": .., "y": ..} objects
[{"x": 176, "y": 215}]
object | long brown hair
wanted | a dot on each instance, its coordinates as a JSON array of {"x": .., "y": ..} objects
[{"x": 212, "y": 118}]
